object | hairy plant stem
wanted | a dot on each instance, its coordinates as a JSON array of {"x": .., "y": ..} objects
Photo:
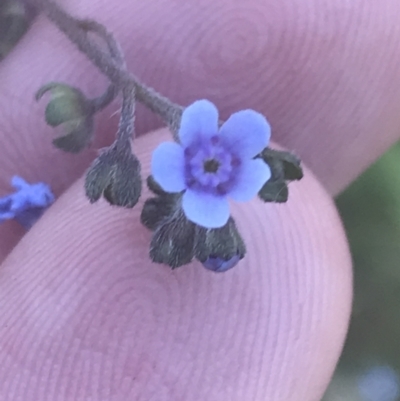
[
  {"x": 76, "y": 31},
  {"x": 102, "y": 101},
  {"x": 113, "y": 47},
  {"x": 126, "y": 123},
  {"x": 116, "y": 53}
]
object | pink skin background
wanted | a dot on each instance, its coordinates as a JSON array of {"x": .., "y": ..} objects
[{"x": 84, "y": 315}]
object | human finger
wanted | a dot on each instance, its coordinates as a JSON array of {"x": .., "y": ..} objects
[
  {"x": 323, "y": 72},
  {"x": 86, "y": 315}
]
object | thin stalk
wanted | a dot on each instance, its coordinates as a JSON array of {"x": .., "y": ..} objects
[{"x": 118, "y": 75}]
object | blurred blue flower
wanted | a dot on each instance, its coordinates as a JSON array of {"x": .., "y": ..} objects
[
  {"x": 379, "y": 383},
  {"x": 211, "y": 164},
  {"x": 27, "y": 203}
]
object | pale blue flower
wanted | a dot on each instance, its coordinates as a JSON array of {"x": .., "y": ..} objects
[
  {"x": 379, "y": 383},
  {"x": 27, "y": 203},
  {"x": 211, "y": 164}
]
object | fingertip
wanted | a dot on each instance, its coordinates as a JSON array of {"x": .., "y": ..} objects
[{"x": 279, "y": 317}]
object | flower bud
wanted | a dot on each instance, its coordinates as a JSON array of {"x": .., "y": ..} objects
[
  {"x": 219, "y": 249},
  {"x": 173, "y": 241},
  {"x": 287, "y": 163},
  {"x": 220, "y": 265},
  {"x": 155, "y": 187},
  {"x": 158, "y": 208},
  {"x": 284, "y": 167},
  {"x": 69, "y": 108},
  {"x": 275, "y": 190},
  {"x": 155, "y": 210},
  {"x": 115, "y": 175}
]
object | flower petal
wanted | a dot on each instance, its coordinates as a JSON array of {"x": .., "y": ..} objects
[
  {"x": 253, "y": 175},
  {"x": 18, "y": 182},
  {"x": 200, "y": 118},
  {"x": 168, "y": 167},
  {"x": 246, "y": 132},
  {"x": 204, "y": 209}
]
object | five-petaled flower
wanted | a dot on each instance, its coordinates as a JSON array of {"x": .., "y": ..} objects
[{"x": 211, "y": 164}]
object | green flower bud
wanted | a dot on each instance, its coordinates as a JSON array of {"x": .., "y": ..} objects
[{"x": 69, "y": 108}]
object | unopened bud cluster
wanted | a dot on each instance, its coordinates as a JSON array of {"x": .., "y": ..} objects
[{"x": 177, "y": 241}]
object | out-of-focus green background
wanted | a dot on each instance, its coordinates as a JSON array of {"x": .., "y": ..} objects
[{"x": 369, "y": 369}]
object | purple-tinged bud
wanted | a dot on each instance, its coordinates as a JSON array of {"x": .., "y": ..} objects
[
  {"x": 219, "y": 249},
  {"x": 220, "y": 265}
]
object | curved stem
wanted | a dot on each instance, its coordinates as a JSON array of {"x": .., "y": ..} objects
[
  {"x": 102, "y": 101},
  {"x": 113, "y": 46},
  {"x": 116, "y": 53},
  {"x": 169, "y": 111}
]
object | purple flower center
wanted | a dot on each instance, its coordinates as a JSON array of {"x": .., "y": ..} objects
[{"x": 210, "y": 166}]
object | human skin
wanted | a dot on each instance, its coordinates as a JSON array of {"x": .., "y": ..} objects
[{"x": 85, "y": 315}]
